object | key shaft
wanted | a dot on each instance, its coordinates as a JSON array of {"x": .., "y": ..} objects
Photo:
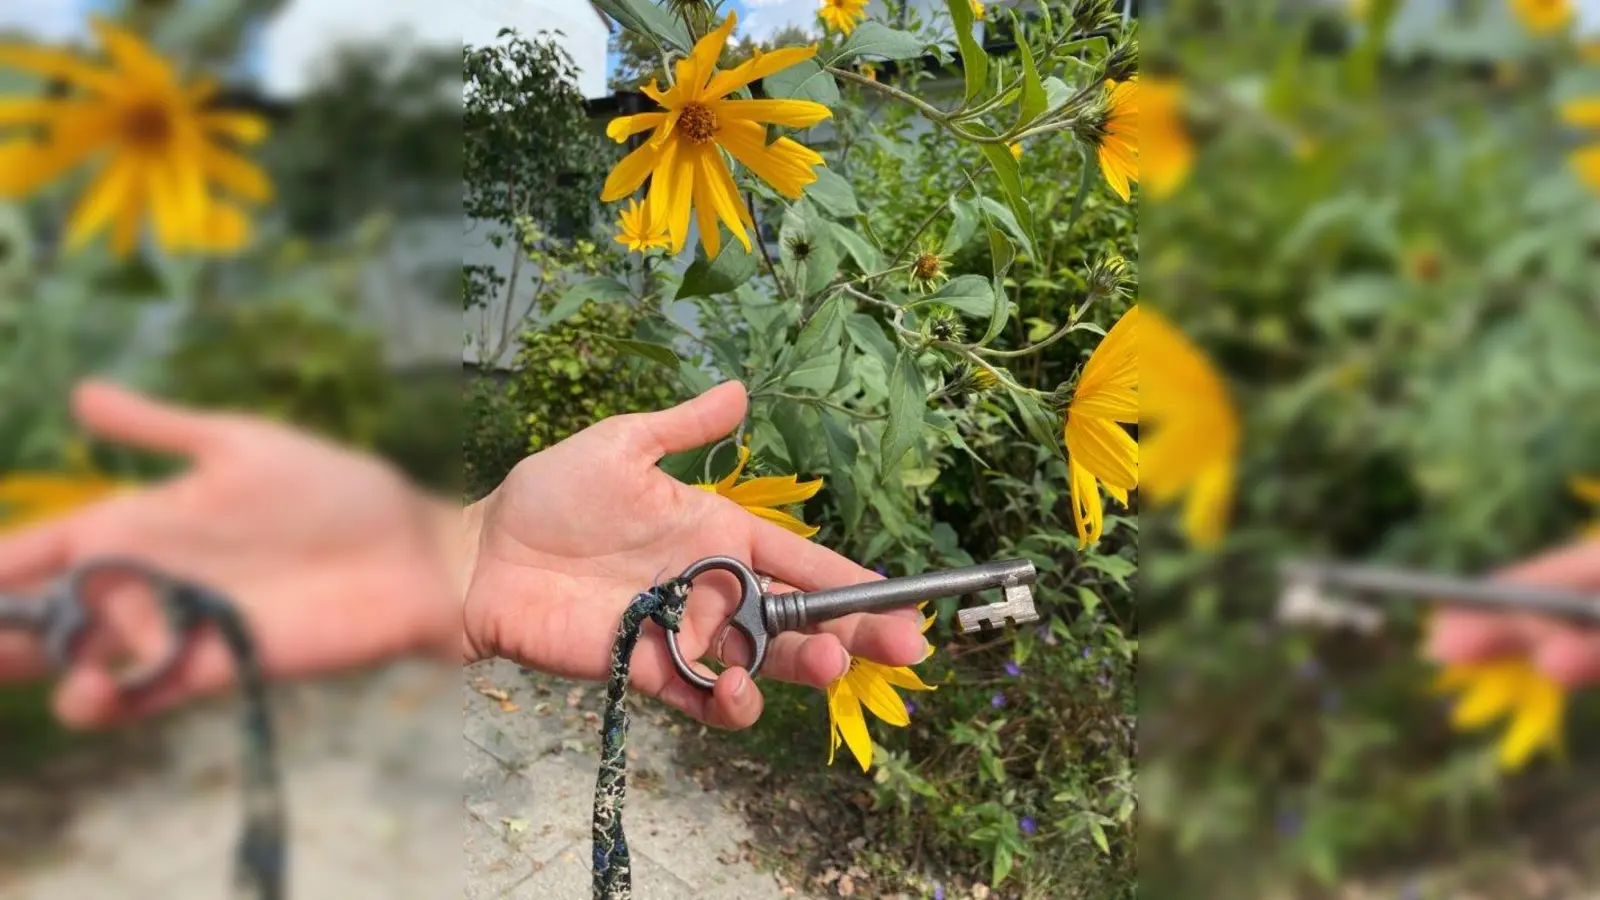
[{"x": 790, "y": 612}]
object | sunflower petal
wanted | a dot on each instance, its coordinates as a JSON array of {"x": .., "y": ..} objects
[
  {"x": 785, "y": 164},
  {"x": 630, "y": 173},
  {"x": 788, "y": 113},
  {"x": 53, "y": 64},
  {"x": 1104, "y": 449},
  {"x": 624, "y": 127},
  {"x": 852, "y": 724},
  {"x": 1536, "y": 723},
  {"x": 1088, "y": 516},
  {"x": 108, "y": 194},
  {"x": 877, "y": 695},
  {"x": 757, "y": 67},
  {"x": 774, "y": 490},
  {"x": 235, "y": 173},
  {"x": 242, "y": 127},
  {"x": 784, "y": 520}
]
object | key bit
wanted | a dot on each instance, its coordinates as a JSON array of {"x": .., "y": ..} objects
[{"x": 1015, "y": 609}]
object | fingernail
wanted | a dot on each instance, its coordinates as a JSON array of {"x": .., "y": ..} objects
[
  {"x": 740, "y": 685},
  {"x": 844, "y": 661}
]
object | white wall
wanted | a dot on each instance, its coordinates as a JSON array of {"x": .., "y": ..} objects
[{"x": 306, "y": 31}]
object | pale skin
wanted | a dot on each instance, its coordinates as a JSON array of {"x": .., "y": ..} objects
[
  {"x": 1567, "y": 654},
  {"x": 339, "y": 563}
]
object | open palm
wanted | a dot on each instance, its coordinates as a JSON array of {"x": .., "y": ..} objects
[
  {"x": 575, "y": 532},
  {"x": 333, "y": 558}
]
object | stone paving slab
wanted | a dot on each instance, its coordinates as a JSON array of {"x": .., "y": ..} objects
[{"x": 532, "y": 760}]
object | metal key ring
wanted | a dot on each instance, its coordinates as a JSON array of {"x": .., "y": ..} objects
[
  {"x": 72, "y": 619},
  {"x": 747, "y": 618}
]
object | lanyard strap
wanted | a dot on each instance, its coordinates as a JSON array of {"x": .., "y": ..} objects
[{"x": 613, "y": 876}]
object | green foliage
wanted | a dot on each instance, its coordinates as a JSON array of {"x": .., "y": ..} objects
[
  {"x": 286, "y": 361},
  {"x": 1402, "y": 295}
]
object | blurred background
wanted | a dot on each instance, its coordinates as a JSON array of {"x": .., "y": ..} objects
[
  {"x": 338, "y": 314},
  {"x": 1386, "y": 247}
]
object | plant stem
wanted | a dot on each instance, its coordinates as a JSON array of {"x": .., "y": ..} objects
[
  {"x": 1062, "y": 332},
  {"x": 818, "y": 401},
  {"x": 750, "y": 202}
]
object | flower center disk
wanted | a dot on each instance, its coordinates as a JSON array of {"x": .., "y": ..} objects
[
  {"x": 698, "y": 123},
  {"x": 148, "y": 126}
]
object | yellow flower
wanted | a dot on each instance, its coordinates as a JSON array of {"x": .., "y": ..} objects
[
  {"x": 870, "y": 685},
  {"x": 1016, "y": 150},
  {"x": 1491, "y": 691},
  {"x": 978, "y": 11},
  {"x": 1585, "y": 113},
  {"x": 1165, "y": 151},
  {"x": 1188, "y": 428},
  {"x": 842, "y": 15},
  {"x": 1588, "y": 490},
  {"x": 1540, "y": 16},
  {"x": 761, "y": 496},
  {"x": 28, "y": 498},
  {"x": 1099, "y": 449},
  {"x": 1117, "y": 138},
  {"x": 683, "y": 155},
  {"x": 637, "y": 230},
  {"x": 870, "y": 71},
  {"x": 166, "y": 155}
]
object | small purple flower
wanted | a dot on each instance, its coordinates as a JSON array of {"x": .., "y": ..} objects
[
  {"x": 1013, "y": 669},
  {"x": 881, "y": 570},
  {"x": 938, "y": 892},
  {"x": 997, "y": 701},
  {"x": 1029, "y": 827},
  {"x": 1288, "y": 824},
  {"x": 1104, "y": 681},
  {"x": 1310, "y": 670},
  {"x": 911, "y": 708},
  {"x": 1088, "y": 652}
]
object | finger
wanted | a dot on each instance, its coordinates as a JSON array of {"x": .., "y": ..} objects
[
  {"x": 1458, "y": 635},
  {"x": 888, "y": 639},
  {"x": 1570, "y": 656},
  {"x": 37, "y": 553},
  {"x": 733, "y": 703},
  {"x": 120, "y": 415},
  {"x": 1575, "y": 566},
  {"x": 816, "y": 660},
  {"x": 89, "y": 698},
  {"x": 709, "y": 417}
]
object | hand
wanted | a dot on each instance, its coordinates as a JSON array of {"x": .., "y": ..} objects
[
  {"x": 1566, "y": 653},
  {"x": 335, "y": 560},
  {"x": 575, "y": 532}
]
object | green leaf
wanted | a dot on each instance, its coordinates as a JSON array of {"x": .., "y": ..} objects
[
  {"x": 1056, "y": 92},
  {"x": 646, "y": 18},
  {"x": 817, "y": 373},
  {"x": 963, "y": 224},
  {"x": 974, "y": 62},
  {"x": 824, "y": 332},
  {"x": 1042, "y": 425},
  {"x": 971, "y": 294},
  {"x": 1003, "y": 254},
  {"x": 879, "y": 41},
  {"x": 859, "y": 248},
  {"x": 732, "y": 267},
  {"x": 842, "y": 452},
  {"x": 1003, "y": 216},
  {"x": 600, "y": 289},
  {"x": 798, "y": 425},
  {"x": 835, "y": 195},
  {"x": 1002, "y": 864},
  {"x": 1005, "y": 167},
  {"x": 907, "y": 399},
  {"x": 868, "y": 336},
  {"x": 695, "y": 378},
  {"x": 1099, "y": 833},
  {"x": 1034, "y": 99},
  {"x": 642, "y": 349},
  {"x": 804, "y": 81}
]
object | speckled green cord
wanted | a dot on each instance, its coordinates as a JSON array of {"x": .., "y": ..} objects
[
  {"x": 261, "y": 858},
  {"x": 613, "y": 874}
]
